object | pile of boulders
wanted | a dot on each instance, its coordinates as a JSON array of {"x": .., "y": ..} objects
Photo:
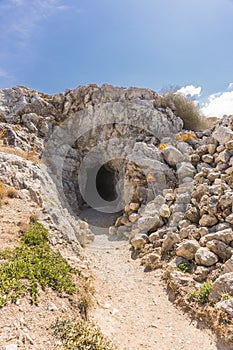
[{"x": 193, "y": 221}]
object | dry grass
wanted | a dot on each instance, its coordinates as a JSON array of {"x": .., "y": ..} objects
[
  {"x": 32, "y": 156},
  {"x": 185, "y": 109},
  {"x": 5, "y": 191},
  {"x": 12, "y": 192}
]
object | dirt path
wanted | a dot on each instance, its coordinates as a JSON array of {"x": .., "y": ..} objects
[{"x": 132, "y": 306}]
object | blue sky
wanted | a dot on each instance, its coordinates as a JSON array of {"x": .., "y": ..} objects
[{"x": 51, "y": 45}]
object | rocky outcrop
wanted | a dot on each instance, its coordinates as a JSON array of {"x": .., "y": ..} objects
[{"x": 75, "y": 135}]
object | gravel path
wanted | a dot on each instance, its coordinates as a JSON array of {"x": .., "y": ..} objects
[{"x": 132, "y": 306}]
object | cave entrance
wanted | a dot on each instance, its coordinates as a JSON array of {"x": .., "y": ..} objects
[
  {"x": 106, "y": 183},
  {"x": 101, "y": 196}
]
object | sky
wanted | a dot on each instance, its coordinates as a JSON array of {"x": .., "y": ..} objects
[{"x": 52, "y": 45}]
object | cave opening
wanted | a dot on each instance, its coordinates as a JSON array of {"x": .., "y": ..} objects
[{"x": 106, "y": 183}]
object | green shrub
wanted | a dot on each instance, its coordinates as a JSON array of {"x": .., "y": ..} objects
[
  {"x": 202, "y": 294},
  {"x": 31, "y": 265},
  {"x": 185, "y": 109},
  {"x": 184, "y": 267},
  {"x": 81, "y": 335}
]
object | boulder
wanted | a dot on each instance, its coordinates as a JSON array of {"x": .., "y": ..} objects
[
  {"x": 138, "y": 242},
  {"x": 229, "y": 219},
  {"x": 208, "y": 220},
  {"x": 134, "y": 206},
  {"x": 147, "y": 223},
  {"x": 164, "y": 211},
  {"x": 222, "y": 285},
  {"x": 227, "y": 306},
  {"x": 170, "y": 240},
  {"x": 223, "y": 134},
  {"x": 228, "y": 266},
  {"x": 187, "y": 249},
  {"x": 172, "y": 155},
  {"x": 205, "y": 257},
  {"x": 221, "y": 249},
  {"x": 225, "y": 236}
]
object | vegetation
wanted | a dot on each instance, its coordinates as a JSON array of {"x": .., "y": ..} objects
[
  {"x": 185, "y": 109},
  {"x": 225, "y": 296},
  {"x": 184, "y": 267},
  {"x": 81, "y": 335},
  {"x": 32, "y": 264},
  {"x": 7, "y": 192},
  {"x": 185, "y": 136},
  {"x": 202, "y": 294},
  {"x": 31, "y": 155},
  {"x": 3, "y": 191}
]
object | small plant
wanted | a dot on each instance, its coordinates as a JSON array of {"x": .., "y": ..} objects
[
  {"x": 184, "y": 267},
  {"x": 185, "y": 136},
  {"x": 12, "y": 192},
  {"x": 202, "y": 294},
  {"x": 31, "y": 265},
  {"x": 225, "y": 296},
  {"x": 162, "y": 146},
  {"x": 81, "y": 335}
]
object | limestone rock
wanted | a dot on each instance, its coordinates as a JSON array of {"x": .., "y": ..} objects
[
  {"x": 228, "y": 266},
  {"x": 208, "y": 220},
  {"x": 164, "y": 211},
  {"x": 227, "y": 306},
  {"x": 205, "y": 257},
  {"x": 201, "y": 273},
  {"x": 147, "y": 223},
  {"x": 221, "y": 249},
  {"x": 134, "y": 206},
  {"x": 170, "y": 240},
  {"x": 225, "y": 236},
  {"x": 187, "y": 249},
  {"x": 222, "y": 285},
  {"x": 151, "y": 261},
  {"x": 223, "y": 135},
  {"x": 133, "y": 217},
  {"x": 229, "y": 219},
  {"x": 207, "y": 158},
  {"x": 192, "y": 214},
  {"x": 138, "y": 242},
  {"x": 172, "y": 155}
]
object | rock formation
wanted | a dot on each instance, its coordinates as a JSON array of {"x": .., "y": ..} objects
[{"x": 123, "y": 151}]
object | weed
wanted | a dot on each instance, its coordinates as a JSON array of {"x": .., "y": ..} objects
[
  {"x": 202, "y": 294},
  {"x": 31, "y": 265},
  {"x": 81, "y": 335},
  {"x": 33, "y": 217},
  {"x": 184, "y": 267},
  {"x": 185, "y": 136},
  {"x": 12, "y": 192},
  {"x": 185, "y": 109},
  {"x": 225, "y": 296},
  {"x": 162, "y": 146}
]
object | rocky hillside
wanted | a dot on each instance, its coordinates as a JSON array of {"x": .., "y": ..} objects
[{"x": 125, "y": 153}]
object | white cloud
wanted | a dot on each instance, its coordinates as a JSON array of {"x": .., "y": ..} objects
[
  {"x": 190, "y": 91},
  {"x": 230, "y": 87},
  {"x": 219, "y": 104}
]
